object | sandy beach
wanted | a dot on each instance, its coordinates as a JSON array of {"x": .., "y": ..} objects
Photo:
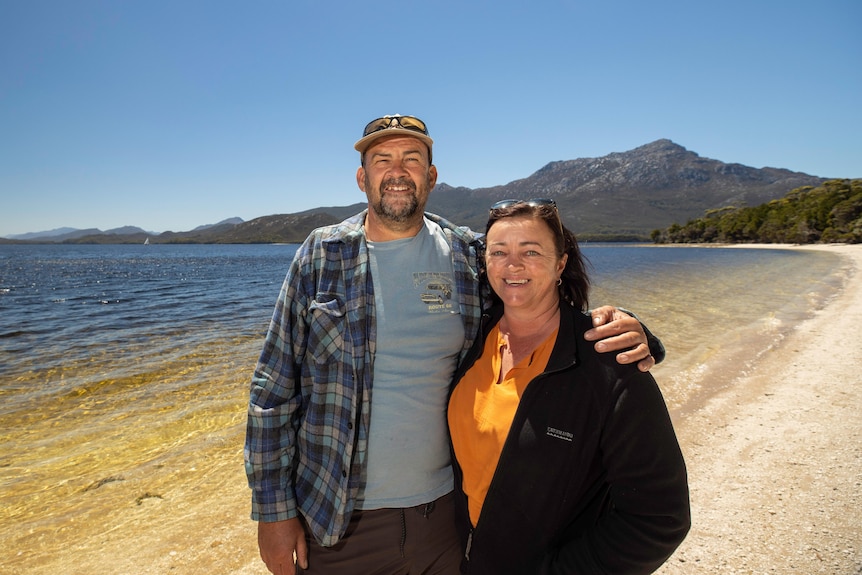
[{"x": 774, "y": 460}]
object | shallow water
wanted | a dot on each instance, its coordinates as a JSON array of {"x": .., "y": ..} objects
[
  {"x": 716, "y": 309},
  {"x": 117, "y": 361}
]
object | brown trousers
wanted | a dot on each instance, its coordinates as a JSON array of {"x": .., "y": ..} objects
[{"x": 417, "y": 540}]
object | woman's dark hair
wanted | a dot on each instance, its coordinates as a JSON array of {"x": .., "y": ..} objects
[{"x": 575, "y": 286}]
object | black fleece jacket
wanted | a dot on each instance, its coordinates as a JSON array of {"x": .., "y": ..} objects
[{"x": 591, "y": 479}]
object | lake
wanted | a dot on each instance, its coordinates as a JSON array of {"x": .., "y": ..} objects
[{"x": 126, "y": 361}]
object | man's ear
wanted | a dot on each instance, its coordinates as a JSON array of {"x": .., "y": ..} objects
[
  {"x": 432, "y": 177},
  {"x": 360, "y": 178}
]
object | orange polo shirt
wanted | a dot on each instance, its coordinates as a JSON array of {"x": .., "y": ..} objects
[{"x": 481, "y": 412}]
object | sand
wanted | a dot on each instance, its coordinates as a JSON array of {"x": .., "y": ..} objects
[{"x": 774, "y": 459}]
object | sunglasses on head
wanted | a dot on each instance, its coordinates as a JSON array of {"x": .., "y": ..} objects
[
  {"x": 386, "y": 122},
  {"x": 533, "y": 203}
]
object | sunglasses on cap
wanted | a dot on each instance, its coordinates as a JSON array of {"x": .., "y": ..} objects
[{"x": 386, "y": 122}]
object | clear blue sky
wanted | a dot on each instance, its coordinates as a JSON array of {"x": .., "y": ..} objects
[{"x": 172, "y": 114}]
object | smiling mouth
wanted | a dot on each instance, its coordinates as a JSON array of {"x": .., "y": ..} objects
[
  {"x": 397, "y": 185},
  {"x": 398, "y": 188},
  {"x": 515, "y": 282}
]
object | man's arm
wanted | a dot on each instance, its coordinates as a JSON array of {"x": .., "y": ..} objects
[
  {"x": 271, "y": 433},
  {"x": 273, "y": 415},
  {"x": 618, "y": 330}
]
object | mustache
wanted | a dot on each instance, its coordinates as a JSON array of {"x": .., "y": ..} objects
[{"x": 405, "y": 182}]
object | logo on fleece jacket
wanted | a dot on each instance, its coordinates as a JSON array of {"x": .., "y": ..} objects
[{"x": 560, "y": 434}]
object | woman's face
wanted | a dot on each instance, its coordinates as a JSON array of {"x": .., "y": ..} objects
[{"x": 522, "y": 264}]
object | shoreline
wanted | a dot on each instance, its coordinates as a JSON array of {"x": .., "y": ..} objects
[
  {"x": 775, "y": 458},
  {"x": 747, "y": 345}
]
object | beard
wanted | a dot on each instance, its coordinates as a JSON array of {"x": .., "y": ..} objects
[{"x": 398, "y": 208}]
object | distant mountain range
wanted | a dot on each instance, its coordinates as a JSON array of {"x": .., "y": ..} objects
[
  {"x": 621, "y": 196},
  {"x": 63, "y": 234},
  {"x": 125, "y": 234}
]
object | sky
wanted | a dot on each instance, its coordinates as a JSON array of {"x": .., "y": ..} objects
[{"x": 168, "y": 115}]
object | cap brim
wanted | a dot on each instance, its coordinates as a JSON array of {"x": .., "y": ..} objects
[{"x": 362, "y": 144}]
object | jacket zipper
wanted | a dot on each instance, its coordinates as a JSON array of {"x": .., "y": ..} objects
[
  {"x": 527, "y": 394},
  {"x": 461, "y": 370}
]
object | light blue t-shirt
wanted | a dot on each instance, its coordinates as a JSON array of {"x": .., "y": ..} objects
[{"x": 419, "y": 337}]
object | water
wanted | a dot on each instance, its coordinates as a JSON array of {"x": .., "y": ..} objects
[
  {"x": 125, "y": 362},
  {"x": 717, "y": 310},
  {"x": 119, "y": 362},
  {"x": 67, "y": 307}
]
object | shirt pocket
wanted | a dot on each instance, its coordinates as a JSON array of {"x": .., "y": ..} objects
[{"x": 328, "y": 324}]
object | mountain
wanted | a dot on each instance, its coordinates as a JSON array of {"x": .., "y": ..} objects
[
  {"x": 620, "y": 196},
  {"x": 52, "y": 235},
  {"x": 126, "y": 231},
  {"x": 629, "y": 193},
  {"x": 71, "y": 234},
  {"x": 40, "y": 235},
  {"x": 229, "y": 221},
  {"x": 207, "y": 233}
]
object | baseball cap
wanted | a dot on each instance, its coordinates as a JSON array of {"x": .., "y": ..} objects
[{"x": 394, "y": 125}]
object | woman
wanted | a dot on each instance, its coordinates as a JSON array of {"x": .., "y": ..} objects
[{"x": 566, "y": 461}]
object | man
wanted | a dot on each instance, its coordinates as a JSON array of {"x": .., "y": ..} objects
[{"x": 347, "y": 452}]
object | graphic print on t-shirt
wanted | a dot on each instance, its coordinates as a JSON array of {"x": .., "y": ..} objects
[{"x": 435, "y": 290}]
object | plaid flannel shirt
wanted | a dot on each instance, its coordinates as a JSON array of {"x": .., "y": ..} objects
[{"x": 309, "y": 408}]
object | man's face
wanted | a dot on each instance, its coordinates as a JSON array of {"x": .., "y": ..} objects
[{"x": 397, "y": 179}]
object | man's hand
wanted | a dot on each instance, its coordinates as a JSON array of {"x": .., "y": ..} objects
[
  {"x": 278, "y": 541},
  {"x": 616, "y": 330}
]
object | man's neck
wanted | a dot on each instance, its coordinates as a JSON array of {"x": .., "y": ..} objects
[{"x": 378, "y": 230}]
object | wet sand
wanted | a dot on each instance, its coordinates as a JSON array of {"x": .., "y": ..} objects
[
  {"x": 775, "y": 465},
  {"x": 775, "y": 459}
]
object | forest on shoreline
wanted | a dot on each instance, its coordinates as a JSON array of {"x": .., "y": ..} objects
[{"x": 829, "y": 213}]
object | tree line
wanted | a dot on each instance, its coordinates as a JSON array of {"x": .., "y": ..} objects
[{"x": 829, "y": 213}]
